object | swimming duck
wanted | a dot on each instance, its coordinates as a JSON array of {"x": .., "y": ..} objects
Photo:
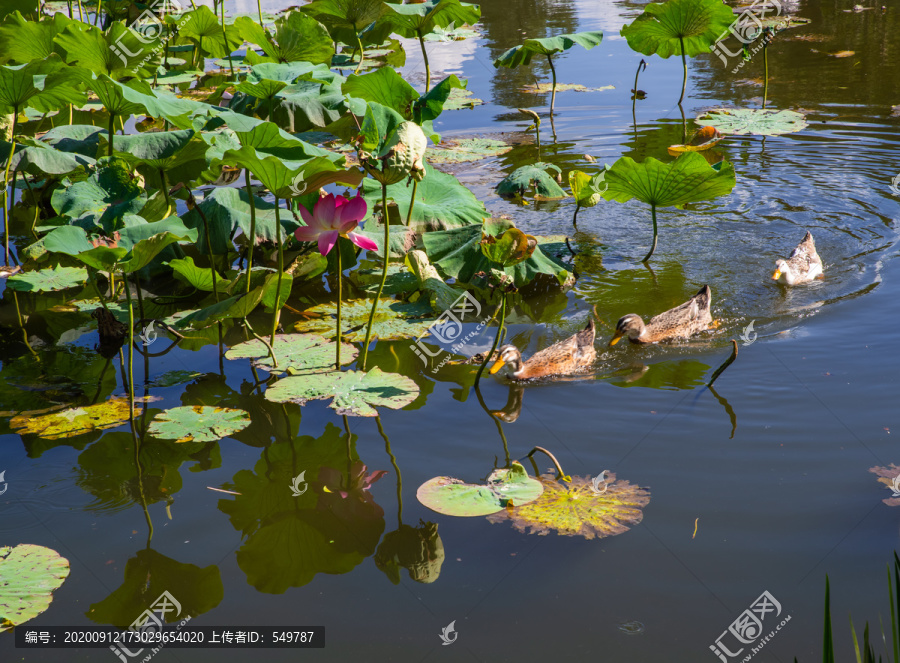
[
  {"x": 680, "y": 322},
  {"x": 573, "y": 355},
  {"x": 803, "y": 265}
]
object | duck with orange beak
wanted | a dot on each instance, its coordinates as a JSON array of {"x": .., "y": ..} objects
[
  {"x": 576, "y": 354},
  {"x": 683, "y": 321},
  {"x": 802, "y": 266}
]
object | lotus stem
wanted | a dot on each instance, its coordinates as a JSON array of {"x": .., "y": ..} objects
[
  {"x": 637, "y": 73},
  {"x": 69, "y": 3},
  {"x": 277, "y": 313},
  {"x": 225, "y": 37},
  {"x": 340, "y": 294},
  {"x": 562, "y": 475},
  {"x": 6, "y": 206},
  {"x": 209, "y": 251},
  {"x": 766, "y": 65},
  {"x": 725, "y": 364},
  {"x": 97, "y": 15},
  {"x": 262, "y": 340},
  {"x": 575, "y": 216},
  {"x": 384, "y": 271},
  {"x": 387, "y": 448},
  {"x": 130, "y": 349},
  {"x": 252, "y": 237},
  {"x": 362, "y": 52},
  {"x": 258, "y": 9},
  {"x": 22, "y": 324},
  {"x": 80, "y": 12},
  {"x": 490, "y": 354},
  {"x": 655, "y": 233},
  {"x": 684, "y": 66},
  {"x": 412, "y": 202},
  {"x": 553, "y": 93},
  {"x": 112, "y": 131},
  {"x": 165, "y": 189},
  {"x": 425, "y": 57}
]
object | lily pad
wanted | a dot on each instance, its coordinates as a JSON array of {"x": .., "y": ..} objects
[
  {"x": 74, "y": 421},
  {"x": 29, "y": 575},
  {"x": 505, "y": 488},
  {"x": 578, "y": 510},
  {"x": 545, "y": 88},
  {"x": 460, "y": 98},
  {"x": 354, "y": 393},
  {"x": 391, "y": 320},
  {"x": 756, "y": 121},
  {"x": 532, "y": 180},
  {"x": 296, "y": 353},
  {"x": 48, "y": 280},
  {"x": 198, "y": 423},
  {"x": 467, "y": 149}
]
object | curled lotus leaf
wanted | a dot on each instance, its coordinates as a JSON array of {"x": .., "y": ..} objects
[
  {"x": 578, "y": 509},
  {"x": 29, "y": 575},
  {"x": 705, "y": 138},
  {"x": 74, "y": 421},
  {"x": 296, "y": 353},
  {"x": 198, "y": 423},
  {"x": 510, "y": 248},
  {"x": 534, "y": 179},
  {"x": 504, "y": 488}
]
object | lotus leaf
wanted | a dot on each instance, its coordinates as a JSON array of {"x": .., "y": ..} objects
[
  {"x": 29, "y": 575},
  {"x": 417, "y": 20},
  {"x": 510, "y": 248},
  {"x": 198, "y": 423},
  {"x": 103, "y": 198},
  {"x": 757, "y": 121},
  {"x": 355, "y": 393},
  {"x": 544, "y": 88},
  {"x": 586, "y": 189},
  {"x": 296, "y": 353},
  {"x": 578, "y": 510},
  {"x": 74, "y": 421},
  {"x": 664, "y": 27},
  {"x": 532, "y": 179},
  {"x": 118, "y": 52},
  {"x": 349, "y": 20},
  {"x": 467, "y": 149},
  {"x": 460, "y": 99},
  {"x": 202, "y": 27},
  {"x": 48, "y": 280},
  {"x": 505, "y": 488},
  {"x": 391, "y": 320},
  {"x": 298, "y": 38}
]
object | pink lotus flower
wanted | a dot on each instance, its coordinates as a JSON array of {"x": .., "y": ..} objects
[{"x": 334, "y": 216}]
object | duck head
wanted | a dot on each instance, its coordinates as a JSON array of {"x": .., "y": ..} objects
[
  {"x": 509, "y": 355},
  {"x": 783, "y": 273},
  {"x": 629, "y": 325}
]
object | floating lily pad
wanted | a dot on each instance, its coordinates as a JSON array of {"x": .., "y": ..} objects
[
  {"x": 757, "y": 121},
  {"x": 198, "y": 423},
  {"x": 48, "y": 280},
  {"x": 391, "y": 323},
  {"x": 450, "y": 34},
  {"x": 460, "y": 98},
  {"x": 544, "y": 88},
  {"x": 504, "y": 488},
  {"x": 355, "y": 393},
  {"x": 176, "y": 377},
  {"x": 467, "y": 149},
  {"x": 74, "y": 421},
  {"x": 578, "y": 510},
  {"x": 296, "y": 353},
  {"x": 399, "y": 280},
  {"x": 29, "y": 575}
]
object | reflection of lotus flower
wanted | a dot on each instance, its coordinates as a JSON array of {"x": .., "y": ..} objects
[
  {"x": 888, "y": 476},
  {"x": 417, "y": 549},
  {"x": 331, "y": 217},
  {"x": 331, "y": 483},
  {"x": 575, "y": 510}
]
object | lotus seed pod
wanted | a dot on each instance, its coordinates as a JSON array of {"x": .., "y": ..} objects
[{"x": 403, "y": 156}]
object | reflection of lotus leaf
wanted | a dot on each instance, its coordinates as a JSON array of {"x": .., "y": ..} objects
[
  {"x": 305, "y": 353},
  {"x": 390, "y": 320},
  {"x": 757, "y": 121},
  {"x": 29, "y": 575},
  {"x": 575, "y": 510},
  {"x": 74, "y": 421},
  {"x": 417, "y": 549},
  {"x": 505, "y": 487},
  {"x": 198, "y": 423},
  {"x": 355, "y": 393}
]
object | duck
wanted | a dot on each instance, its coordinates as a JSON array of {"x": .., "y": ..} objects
[
  {"x": 680, "y": 322},
  {"x": 804, "y": 264},
  {"x": 574, "y": 355}
]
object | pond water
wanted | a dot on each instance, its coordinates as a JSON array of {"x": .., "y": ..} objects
[{"x": 760, "y": 485}]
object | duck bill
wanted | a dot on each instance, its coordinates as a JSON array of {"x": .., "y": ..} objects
[
  {"x": 497, "y": 366},
  {"x": 616, "y": 338},
  {"x": 776, "y": 275}
]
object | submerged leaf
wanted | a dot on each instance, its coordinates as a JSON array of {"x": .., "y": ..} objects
[
  {"x": 579, "y": 510},
  {"x": 198, "y": 423},
  {"x": 29, "y": 575},
  {"x": 504, "y": 488}
]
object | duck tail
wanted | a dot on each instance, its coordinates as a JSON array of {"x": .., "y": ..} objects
[{"x": 704, "y": 296}]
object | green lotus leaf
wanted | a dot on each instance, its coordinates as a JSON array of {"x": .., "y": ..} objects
[
  {"x": 523, "y": 53},
  {"x": 228, "y": 209},
  {"x": 103, "y": 199},
  {"x": 202, "y": 28},
  {"x": 118, "y": 52},
  {"x": 384, "y": 86},
  {"x": 43, "y": 84},
  {"x": 48, "y": 280},
  {"x": 298, "y": 38},
  {"x": 41, "y": 159},
  {"x": 757, "y": 121},
  {"x": 30, "y": 8},
  {"x": 688, "y": 179},
  {"x": 399, "y": 280},
  {"x": 83, "y": 139},
  {"x": 162, "y": 150},
  {"x": 392, "y": 320},
  {"x": 586, "y": 189},
  {"x": 347, "y": 20},
  {"x": 417, "y": 20},
  {"x": 577, "y": 509},
  {"x": 664, "y": 27},
  {"x": 532, "y": 180},
  {"x": 463, "y": 150},
  {"x": 29, "y": 575},
  {"x": 441, "y": 295},
  {"x": 442, "y": 202},
  {"x": 453, "y": 34},
  {"x": 510, "y": 248},
  {"x": 296, "y": 353},
  {"x": 355, "y": 393},
  {"x": 430, "y": 105},
  {"x": 235, "y": 307},
  {"x": 198, "y": 423},
  {"x": 460, "y": 99},
  {"x": 505, "y": 488},
  {"x": 23, "y": 41},
  {"x": 172, "y": 78},
  {"x": 545, "y": 88},
  {"x": 198, "y": 277}
]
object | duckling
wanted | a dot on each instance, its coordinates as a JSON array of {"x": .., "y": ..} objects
[
  {"x": 804, "y": 264},
  {"x": 573, "y": 355},
  {"x": 680, "y": 322}
]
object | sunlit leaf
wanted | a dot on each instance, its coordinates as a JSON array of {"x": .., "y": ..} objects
[
  {"x": 75, "y": 421},
  {"x": 523, "y": 53},
  {"x": 393, "y": 320},
  {"x": 296, "y": 353},
  {"x": 503, "y": 488},
  {"x": 48, "y": 280},
  {"x": 198, "y": 423},
  {"x": 466, "y": 149},
  {"x": 757, "y": 121},
  {"x": 663, "y": 27},
  {"x": 688, "y": 179},
  {"x": 532, "y": 180},
  {"x": 29, "y": 574}
]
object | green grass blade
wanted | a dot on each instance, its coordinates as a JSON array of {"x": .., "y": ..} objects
[
  {"x": 827, "y": 639},
  {"x": 855, "y": 641}
]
